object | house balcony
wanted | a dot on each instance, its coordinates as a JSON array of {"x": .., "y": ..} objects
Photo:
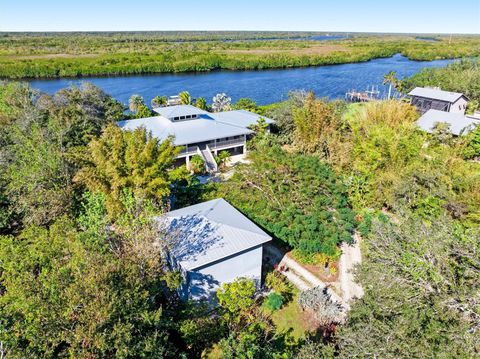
[{"x": 215, "y": 145}]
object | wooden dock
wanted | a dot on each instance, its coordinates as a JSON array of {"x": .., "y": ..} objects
[{"x": 370, "y": 94}]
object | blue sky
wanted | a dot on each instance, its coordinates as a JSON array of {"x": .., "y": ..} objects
[{"x": 439, "y": 16}]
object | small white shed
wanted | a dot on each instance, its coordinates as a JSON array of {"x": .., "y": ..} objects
[{"x": 214, "y": 244}]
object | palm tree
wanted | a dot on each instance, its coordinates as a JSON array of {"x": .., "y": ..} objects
[
  {"x": 135, "y": 102},
  {"x": 392, "y": 80},
  {"x": 185, "y": 98},
  {"x": 221, "y": 102},
  {"x": 201, "y": 103},
  {"x": 159, "y": 101}
]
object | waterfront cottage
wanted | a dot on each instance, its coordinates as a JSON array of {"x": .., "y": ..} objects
[
  {"x": 424, "y": 99},
  {"x": 200, "y": 132},
  {"x": 213, "y": 244}
]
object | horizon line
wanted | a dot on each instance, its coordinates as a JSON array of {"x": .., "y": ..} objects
[{"x": 266, "y": 31}]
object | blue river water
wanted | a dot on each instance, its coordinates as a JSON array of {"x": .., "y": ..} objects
[{"x": 265, "y": 86}]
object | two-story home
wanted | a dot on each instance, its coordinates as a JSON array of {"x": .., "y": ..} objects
[
  {"x": 199, "y": 132},
  {"x": 425, "y": 98}
]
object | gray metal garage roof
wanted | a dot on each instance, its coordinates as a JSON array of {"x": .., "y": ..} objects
[
  {"x": 457, "y": 121},
  {"x": 436, "y": 94},
  {"x": 210, "y": 231}
]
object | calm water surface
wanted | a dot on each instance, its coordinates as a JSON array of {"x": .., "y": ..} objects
[{"x": 264, "y": 86}]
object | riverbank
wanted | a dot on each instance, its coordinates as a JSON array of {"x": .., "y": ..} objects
[
  {"x": 264, "y": 87},
  {"x": 86, "y": 55}
]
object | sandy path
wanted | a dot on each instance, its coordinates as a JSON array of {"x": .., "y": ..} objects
[{"x": 351, "y": 256}]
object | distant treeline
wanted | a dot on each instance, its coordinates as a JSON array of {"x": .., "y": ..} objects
[{"x": 47, "y": 55}]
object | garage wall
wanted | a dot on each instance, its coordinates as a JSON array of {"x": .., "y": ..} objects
[{"x": 203, "y": 282}]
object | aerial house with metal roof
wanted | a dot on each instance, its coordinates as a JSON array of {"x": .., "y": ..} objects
[
  {"x": 200, "y": 132},
  {"x": 425, "y": 98},
  {"x": 213, "y": 243}
]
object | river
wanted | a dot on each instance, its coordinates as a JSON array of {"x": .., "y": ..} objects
[{"x": 265, "y": 86}]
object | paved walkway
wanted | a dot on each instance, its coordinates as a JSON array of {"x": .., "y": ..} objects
[{"x": 299, "y": 276}]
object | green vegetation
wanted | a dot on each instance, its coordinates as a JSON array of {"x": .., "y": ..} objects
[
  {"x": 420, "y": 200},
  {"x": 197, "y": 164},
  {"x": 78, "y": 276},
  {"x": 81, "y": 269},
  {"x": 273, "y": 302},
  {"x": 120, "y": 161},
  {"x": 296, "y": 197},
  {"x": 93, "y": 54}
]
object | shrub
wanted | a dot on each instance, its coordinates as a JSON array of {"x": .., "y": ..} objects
[
  {"x": 318, "y": 301},
  {"x": 197, "y": 164},
  {"x": 277, "y": 282},
  {"x": 273, "y": 302}
]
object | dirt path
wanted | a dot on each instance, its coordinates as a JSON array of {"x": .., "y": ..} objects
[{"x": 351, "y": 256}]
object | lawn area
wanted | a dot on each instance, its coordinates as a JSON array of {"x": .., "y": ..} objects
[{"x": 292, "y": 319}]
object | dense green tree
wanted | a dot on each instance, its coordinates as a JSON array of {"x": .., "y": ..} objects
[
  {"x": 185, "y": 98},
  {"x": 421, "y": 286},
  {"x": 94, "y": 292},
  {"x": 473, "y": 148},
  {"x": 132, "y": 160},
  {"x": 159, "y": 101},
  {"x": 80, "y": 113},
  {"x": 222, "y": 158},
  {"x": 38, "y": 135},
  {"x": 317, "y": 127},
  {"x": 197, "y": 164},
  {"x": 236, "y": 296},
  {"x": 143, "y": 112},
  {"x": 282, "y": 113},
  {"x": 38, "y": 175},
  {"x": 134, "y": 102},
  {"x": 201, "y": 103},
  {"x": 246, "y": 104}
]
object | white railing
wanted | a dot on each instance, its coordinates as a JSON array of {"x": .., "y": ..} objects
[
  {"x": 188, "y": 150},
  {"x": 238, "y": 141},
  {"x": 210, "y": 160}
]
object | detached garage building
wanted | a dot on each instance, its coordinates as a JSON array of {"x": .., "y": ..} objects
[
  {"x": 214, "y": 244},
  {"x": 425, "y": 98}
]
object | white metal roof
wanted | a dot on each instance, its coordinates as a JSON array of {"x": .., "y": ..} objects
[
  {"x": 207, "y": 126},
  {"x": 457, "y": 121},
  {"x": 178, "y": 110},
  {"x": 240, "y": 118},
  {"x": 185, "y": 132},
  {"x": 210, "y": 231},
  {"x": 436, "y": 94}
]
